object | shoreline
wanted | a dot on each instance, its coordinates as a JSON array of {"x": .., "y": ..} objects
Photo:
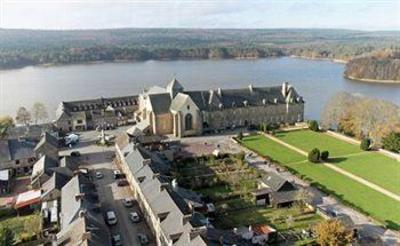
[
  {"x": 320, "y": 59},
  {"x": 378, "y": 81}
]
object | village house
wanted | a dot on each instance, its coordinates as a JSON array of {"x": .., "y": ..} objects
[
  {"x": 173, "y": 110},
  {"x": 274, "y": 190},
  {"x": 89, "y": 114},
  {"x": 17, "y": 156}
]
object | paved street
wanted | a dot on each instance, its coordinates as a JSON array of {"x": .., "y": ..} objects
[{"x": 99, "y": 158}]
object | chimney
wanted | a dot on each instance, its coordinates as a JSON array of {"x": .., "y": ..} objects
[
  {"x": 251, "y": 88},
  {"x": 264, "y": 101},
  {"x": 146, "y": 162},
  {"x": 79, "y": 196},
  {"x": 86, "y": 236},
  {"x": 219, "y": 91},
  {"x": 285, "y": 88},
  {"x": 82, "y": 213},
  {"x": 174, "y": 184}
]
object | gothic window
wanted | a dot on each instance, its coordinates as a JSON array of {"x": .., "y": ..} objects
[{"x": 188, "y": 122}]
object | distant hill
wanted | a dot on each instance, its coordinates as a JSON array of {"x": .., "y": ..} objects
[
  {"x": 375, "y": 67},
  {"x": 20, "y": 48}
]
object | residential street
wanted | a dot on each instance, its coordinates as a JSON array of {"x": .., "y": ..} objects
[{"x": 98, "y": 158}]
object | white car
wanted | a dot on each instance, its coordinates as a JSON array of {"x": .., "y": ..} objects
[
  {"x": 99, "y": 175},
  {"x": 117, "y": 174},
  {"x": 134, "y": 217},
  {"x": 128, "y": 202},
  {"x": 111, "y": 218}
]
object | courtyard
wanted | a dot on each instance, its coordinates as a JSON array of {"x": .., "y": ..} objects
[{"x": 370, "y": 166}]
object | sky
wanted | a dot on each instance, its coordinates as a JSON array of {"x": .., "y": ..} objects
[{"x": 98, "y": 14}]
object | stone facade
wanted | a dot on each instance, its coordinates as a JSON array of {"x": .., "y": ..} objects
[
  {"x": 89, "y": 114},
  {"x": 172, "y": 110}
]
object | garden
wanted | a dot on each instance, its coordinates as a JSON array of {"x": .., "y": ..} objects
[
  {"x": 357, "y": 195},
  {"x": 228, "y": 181}
]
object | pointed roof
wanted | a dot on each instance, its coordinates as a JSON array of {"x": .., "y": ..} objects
[{"x": 174, "y": 85}]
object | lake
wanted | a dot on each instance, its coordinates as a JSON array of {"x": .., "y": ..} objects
[{"x": 316, "y": 81}]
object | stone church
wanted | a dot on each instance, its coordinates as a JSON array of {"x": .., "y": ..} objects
[{"x": 173, "y": 110}]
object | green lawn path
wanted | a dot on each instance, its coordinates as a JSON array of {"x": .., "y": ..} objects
[{"x": 377, "y": 205}]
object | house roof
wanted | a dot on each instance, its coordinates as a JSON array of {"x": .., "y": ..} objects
[
  {"x": 56, "y": 182},
  {"x": 77, "y": 194},
  {"x": 284, "y": 196},
  {"x": 5, "y": 154},
  {"x": 47, "y": 138},
  {"x": 28, "y": 198},
  {"x": 31, "y": 131},
  {"x": 44, "y": 165},
  {"x": 160, "y": 103},
  {"x": 21, "y": 149},
  {"x": 98, "y": 104},
  {"x": 262, "y": 229},
  {"x": 86, "y": 230},
  {"x": 274, "y": 181}
]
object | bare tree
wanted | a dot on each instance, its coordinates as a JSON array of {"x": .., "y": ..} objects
[
  {"x": 23, "y": 116},
  {"x": 39, "y": 112},
  {"x": 336, "y": 108}
]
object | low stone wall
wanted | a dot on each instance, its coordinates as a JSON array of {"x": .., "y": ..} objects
[{"x": 355, "y": 141}]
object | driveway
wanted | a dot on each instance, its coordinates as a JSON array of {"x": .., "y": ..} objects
[{"x": 99, "y": 158}]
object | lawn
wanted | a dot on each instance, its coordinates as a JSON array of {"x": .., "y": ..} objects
[
  {"x": 19, "y": 225},
  {"x": 372, "y": 166},
  {"x": 368, "y": 200}
]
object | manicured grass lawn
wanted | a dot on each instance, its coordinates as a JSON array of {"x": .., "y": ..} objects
[
  {"x": 307, "y": 140},
  {"x": 372, "y": 166},
  {"x": 269, "y": 148},
  {"x": 368, "y": 200},
  {"x": 376, "y": 168}
]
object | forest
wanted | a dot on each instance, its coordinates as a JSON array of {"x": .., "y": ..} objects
[{"x": 19, "y": 48}]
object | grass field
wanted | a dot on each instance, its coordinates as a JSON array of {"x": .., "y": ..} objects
[
  {"x": 372, "y": 166},
  {"x": 369, "y": 201}
]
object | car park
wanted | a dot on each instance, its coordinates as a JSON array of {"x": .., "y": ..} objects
[
  {"x": 134, "y": 217},
  {"x": 111, "y": 218},
  {"x": 128, "y": 202},
  {"x": 116, "y": 240},
  {"x": 143, "y": 239}
]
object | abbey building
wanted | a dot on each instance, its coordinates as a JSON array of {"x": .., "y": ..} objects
[{"x": 173, "y": 110}]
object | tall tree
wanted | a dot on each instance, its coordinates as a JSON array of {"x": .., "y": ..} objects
[
  {"x": 5, "y": 123},
  {"x": 39, "y": 112},
  {"x": 332, "y": 233},
  {"x": 23, "y": 116}
]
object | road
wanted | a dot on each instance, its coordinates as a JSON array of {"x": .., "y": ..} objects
[{"x": 99, "y": 158}]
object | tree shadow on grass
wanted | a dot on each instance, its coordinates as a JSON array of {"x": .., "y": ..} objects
[
  {"x": 336, "y": 160},
  {"x": 392, "y": 225}
]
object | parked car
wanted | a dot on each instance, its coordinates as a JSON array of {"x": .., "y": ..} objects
[
  {"x": 75, "y": 154},
  {"x": 117, "y": 174},
  {"x": 116, "y": 240},
  {"x": 128, "y": 202},
  {"x": 134, "y": 216},
  {"x": 142, "y": 239},
  {"x": 111, "y": 218},
  {"x": 99, "y": 175},
  {"x": 122, "y": 182}
]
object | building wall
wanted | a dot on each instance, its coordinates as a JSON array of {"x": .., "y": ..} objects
[
  {"x": 163, "y": 124},
  {"x": 254, "y": 115},
  {"x": 20, "y": 167}
]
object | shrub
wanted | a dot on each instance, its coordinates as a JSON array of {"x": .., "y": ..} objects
[
  {"x": 240, "y": 136},
  {"x": 313, "y": 125},
  {"x": 392, "y": 142},
  {"x": 365, "y": 143},
  {"x": 314, "y": 155},
  {"x": 324, "y": 155}
]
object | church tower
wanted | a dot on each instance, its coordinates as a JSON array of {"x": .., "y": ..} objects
[{"x": 174, "y": 87}]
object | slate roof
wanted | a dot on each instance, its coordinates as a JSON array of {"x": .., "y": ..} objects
[
  {"x": 47, "y": 138},
  {"x": 284, "y": 196},
  {"x": 99, "y": 103},
  {"x": 162, "y": 200},
  {"x": 56, "y": 182},
  {"x": 31, "y": 131},
  {"x": 160, "y": 103},
  {"x": 44, "y": 165},
  {"x": 174, "y": 85},
  {"x": 86, "y": 230},
  {"x": 5, "y": 154},
  {"x": 252, "y": 96},
  {"x": 69, "y": 162},
  {"x": 274, "y": 181},
  {"x": 21, "y": 149},
  {"x": 71, "y": 203},
  {"x": 178, "y": 101}
]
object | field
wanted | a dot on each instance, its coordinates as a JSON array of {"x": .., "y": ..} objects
[
  {"x": 369, "y": 201},
  {"x": 374, "y": 167}
]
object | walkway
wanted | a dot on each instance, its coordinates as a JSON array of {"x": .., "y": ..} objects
[{"x": 339, "y": 170}]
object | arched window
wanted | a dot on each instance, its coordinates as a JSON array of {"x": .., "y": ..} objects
[{"x": 188, "y": 122}]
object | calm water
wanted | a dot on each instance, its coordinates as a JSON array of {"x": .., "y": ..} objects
[{"x": 315, "y": 80}]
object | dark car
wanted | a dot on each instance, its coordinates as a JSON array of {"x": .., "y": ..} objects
[
  {"x": 122, "y": 182},
  {"x": 143, "y": 239},
  {"x": 75, "y": 154}
]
